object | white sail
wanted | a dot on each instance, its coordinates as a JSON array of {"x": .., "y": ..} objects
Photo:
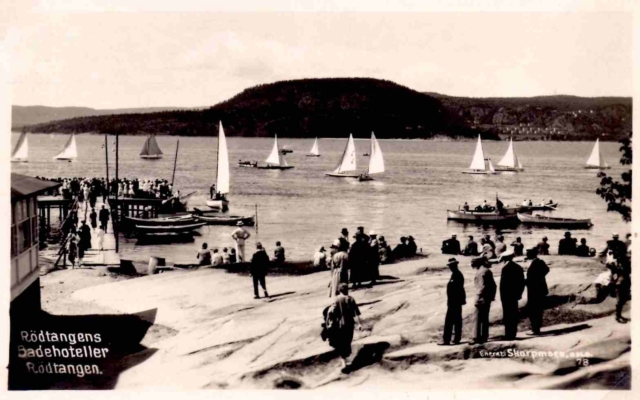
[
  {"x": 596, "y": 160},
  {"x": 376, "y": 162},
  {"x": 314, "y": 150},
  {"x": 477, "y": 164},
  {"x": 348, "y": 162},
  {"x": 510, "y": 158},
  {"x": 223, "y": 178},
  {"x": 491, "y": 169},
  {"x": 21, "y": 152},
  {"x": 275, "y": 156},
  {"x": 70, "y": 150}
]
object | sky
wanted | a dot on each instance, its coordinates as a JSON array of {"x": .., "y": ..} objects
[{"x": 156, "y": 59}]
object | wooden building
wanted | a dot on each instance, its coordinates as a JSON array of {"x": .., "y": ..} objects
[{"x": 25, "y": 272}]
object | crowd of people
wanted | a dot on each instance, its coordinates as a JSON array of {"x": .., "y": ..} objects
[{"x": 82, "y": 187}]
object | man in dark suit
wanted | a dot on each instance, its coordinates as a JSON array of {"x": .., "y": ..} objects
[
  {"x": 512, "y": 284},
  {"x": 104, "y": 218},
  {"x": 258, "y": 270},
  {"x": 451, "y": 246},
  {"x": 486, "y": 287},
  {"x": 567, "y": 246},
  {"x": 456, "y": 298},
  {"x": 537, "y": 290}
]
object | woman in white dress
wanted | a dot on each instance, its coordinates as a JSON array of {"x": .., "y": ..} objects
[{"x": 334, "y": 283}]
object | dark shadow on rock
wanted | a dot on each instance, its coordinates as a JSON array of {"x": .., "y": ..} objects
[
  {"x": 616, "y": 379},
  {"x": 564, "y": 331},
  {"x": 368, "y": 354},
  {"x": 369, "y": 303},
  {"x": 287, "y": 383},
  {"x": 273, "y": 296}
]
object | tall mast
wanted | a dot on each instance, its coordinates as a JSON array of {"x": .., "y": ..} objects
[{"x": 175, "y": 162}]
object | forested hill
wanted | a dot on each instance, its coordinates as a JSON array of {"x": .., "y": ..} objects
[
  {"x": 299, "y": 108},
  {"x": 554, "y": 117}
]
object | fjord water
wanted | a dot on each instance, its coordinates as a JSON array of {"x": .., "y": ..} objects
[{"x": 305, "y": 209}]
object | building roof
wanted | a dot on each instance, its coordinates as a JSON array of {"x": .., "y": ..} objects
[{"x": 23, "y": 186}]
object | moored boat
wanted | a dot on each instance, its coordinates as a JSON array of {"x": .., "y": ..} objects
[
  {"x": 150, "y": 149},
  {"x": 223, "y": 177},
  {"x": 538, "y": 207},
  {"x": 482, "y": 217},
  {"x": 21, "y": 151},
  {"x": 168, "y": 229},
  {"x": 596, "y": 161},
  {"x": 347, "y": 163},
  {"x": 177, "y": 220},
  {"x": 480, "y": 165},
  {"x": 248, "y": 164},
  {"x": 554, "y": 222},
  {"x": 213, "y": 218}
]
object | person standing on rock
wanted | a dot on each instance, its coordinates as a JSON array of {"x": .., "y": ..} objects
[
  {"x": 343, "y": 315},
  {"x": 240, "y": 235},
  {"x": 344, "y": 239},
  {"x": 374, "y": 258},
  {"x": 512, "y": 285},
  {"x": 358, "y": 260},
  {"x": 258, "y": 270},
  {"x": 334, "y": 282},
  {"x": 537, "y": 290},
  {"x": 486, "y": 288},
  {"x": 340, "y": 261},
  {"x": 456, "y": 298}
]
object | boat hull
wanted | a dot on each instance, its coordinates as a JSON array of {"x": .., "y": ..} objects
[
  {"x": 65, "y": 159},
  {"x": 248, "y": 165},
  {"x": 168, "y": 229},
  {"x": 274, "y": 167},
  {"x": 337, "y": 175},
  {"x": 550, "y": 222},
  {"x": 151, "y": 157},
  {"x": 480, "y": 217},
  {"x": 313, "y": 155},
  {"x": 218, "y": 204},
  {"x": 364, "y": 178},
  {"x": 546, "y": 207},
  {"x": 186, "y": 219},
  {"x": 19, "y": 161},
  {"x": 508, "y": 169},
  {"x": 480, "y": 172},
  {"x": 225, "y": 219},
  {"x": 595, "y": 167}
]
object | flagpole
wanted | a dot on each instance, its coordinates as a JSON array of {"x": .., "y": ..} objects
[
  {"x": 175, "y": 162},
  {"x": 106, "y": 159},
  {"x": 117, "y": 213}
]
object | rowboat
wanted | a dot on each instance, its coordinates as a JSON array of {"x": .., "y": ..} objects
[
  {"x": 596, "y": 161},
  {"x": 215, "y": 218},
  {"x": 553, "y": 222},
  {"x": 168, "y": 229},
  {"x": 538, "y": 207},
  {"x": 276, "y": 159},
  {"x": 70, "y": 151},
  {"x": 347, "y": 163},
  {"x": 480, "y": 165},
  {"x": 248, "y": 164},
  {"x": 510, "y": 162},
  {"x": 21, "y": 151},
  {"x": 150, "y": 149},
  {"x": 177, "y": 220},
  {"x": 223, "y": 178},
  {"x": 482, "y": 217}
]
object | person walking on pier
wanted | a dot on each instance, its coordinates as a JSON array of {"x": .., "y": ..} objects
[
  {"x": 512, "y": 284},
  {"x": 486, "y": 287},
  {"x": 537, "y": 290},
  {"x": 456, "y": 298},
  {"x": 93, "y": 217},
  {"x": 258, "y": 270},
  {"x": 104, "y": 218},
  {"x": 240, "y": 235}
]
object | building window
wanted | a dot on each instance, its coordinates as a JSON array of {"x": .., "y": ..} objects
[
  {"x": 14, "y": 241},
  {"x": 24, "y": 236}
]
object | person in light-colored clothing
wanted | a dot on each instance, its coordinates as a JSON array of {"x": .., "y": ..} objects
[
  {"x": 240, "y": 235},
  {"x": 100, "y": 235},
  {"x": 216, "y": 259},
  {"x": 320, "y": 258}
]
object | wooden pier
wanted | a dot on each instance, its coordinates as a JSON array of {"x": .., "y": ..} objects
[{"x": 94, "y": 256}]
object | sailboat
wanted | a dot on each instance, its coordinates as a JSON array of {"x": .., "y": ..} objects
[
  {"x": 480, "y": 165},
  {"x": 347, "y": 162},
  {"x": 596, "y": 161},
  {"x": 21, "y": 151},
  {"x": 150, "y": 149},
  {"x": 376, "y": 162},
  {"x": 70, "y": 151},
  {"x": 219, "y": 200},
  {"x": 510, "y": 162},
  {"x": 314, "y": 150},
  {"x": 276, "y": 159}
]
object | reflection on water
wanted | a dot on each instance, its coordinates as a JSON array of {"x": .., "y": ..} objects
[{"x": 304, "y": 209}]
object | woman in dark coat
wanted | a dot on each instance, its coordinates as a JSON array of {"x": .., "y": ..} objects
[{"x": 345, "y": 313}]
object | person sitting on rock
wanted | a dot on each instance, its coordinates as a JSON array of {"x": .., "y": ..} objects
[
  {"x": 567, "y": 246},
  {"x": 451, "y": 246}
]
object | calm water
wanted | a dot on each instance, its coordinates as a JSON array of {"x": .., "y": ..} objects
[{"x": 305, "y": 209}]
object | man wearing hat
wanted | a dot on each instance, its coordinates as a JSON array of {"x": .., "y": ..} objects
[
  {"x": 340, "y": 261},
  {"x": 456, "y": 298},
  {"x": 451, "y": 246},
  {"x": 617, "y": 246},
  {"x": 359, "y": 232},
  {"x": 537, "y": 290},
  {"x": 258, "y": 270},
  {"x": 486, "y": 293},
  {"x": 567, "y": 246},
  {"x": 512, "y": 284},
  {"x": 344, "y": 239},
  {"x": 240, "y": 235}
]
